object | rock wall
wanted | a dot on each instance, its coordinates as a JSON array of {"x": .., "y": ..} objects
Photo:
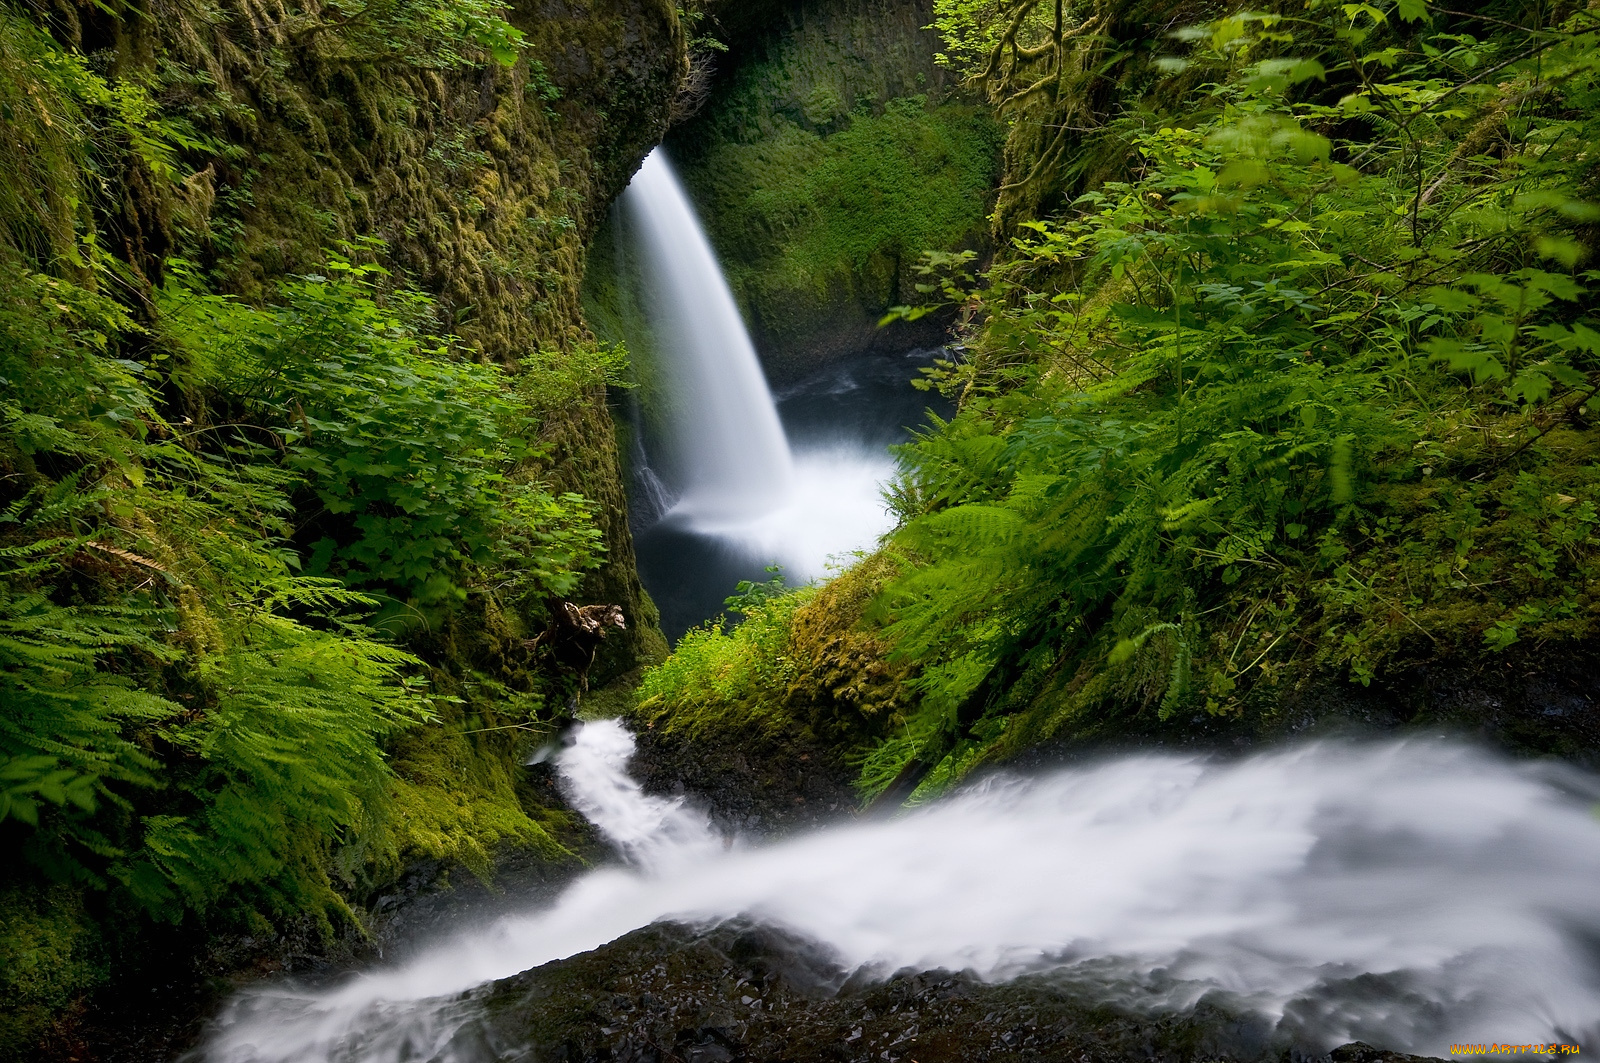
[
  {"x": 831, "y": 152},
  {"x": 300, "y": 132}
]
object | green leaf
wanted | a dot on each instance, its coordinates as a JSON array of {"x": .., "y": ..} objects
[
  {"x": 1464, "y": 358},
  {"x": 1411, "y": 10},
  {"x": 1562, "y": 249}
]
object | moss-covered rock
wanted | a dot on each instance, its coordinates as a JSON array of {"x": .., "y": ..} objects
[
  {"x": 483, "y": 181},
  {"x": 299, "y": 133},
  {"x": 768, "y": 719}
]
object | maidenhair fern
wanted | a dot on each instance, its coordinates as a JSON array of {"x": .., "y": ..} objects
[{"x": 287, "y": 746}]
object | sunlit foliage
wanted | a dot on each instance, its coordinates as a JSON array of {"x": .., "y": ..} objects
[{"x": 1311, "y": 389}]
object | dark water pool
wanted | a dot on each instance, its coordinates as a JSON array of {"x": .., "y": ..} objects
[{"x": 865, "y": 404}]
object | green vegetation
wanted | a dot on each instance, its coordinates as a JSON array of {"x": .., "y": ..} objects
[
  {"x": 190, "y": 718},
  {"x": 820, "y": 213},
  {"x": 1285, "y": 374},
  {"x": 800, "y": 664},
  {"x": 268, "y": 562},
  {"x": 830, "y": 160},
  {"x": 1305, "y": 395},
  {"x": 54, "y": 952},
  {"x": 404, "y": 444},
  {"x": 727, "y": 672}
]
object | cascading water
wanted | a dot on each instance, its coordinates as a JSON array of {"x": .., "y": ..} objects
[
  {"x": 1411, "y": 894},
  {"x": 739, "y": 482},
  {"x": 731, "y": 446}
]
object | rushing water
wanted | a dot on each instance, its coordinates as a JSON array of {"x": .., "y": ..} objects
[
  {"x": 1411, "y": 894},
  {"x": 731, "y": 447}
]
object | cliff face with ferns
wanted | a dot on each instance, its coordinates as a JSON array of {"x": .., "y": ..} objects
[
  {"x": 483, "y": 180},
  {"x": 1276, "y": 412},
  {"x": 304, "y": 437}
]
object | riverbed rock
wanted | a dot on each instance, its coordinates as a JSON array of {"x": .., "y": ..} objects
[
  {"x": 742, "y": 993},
  {"x": 749, "y": 785}
]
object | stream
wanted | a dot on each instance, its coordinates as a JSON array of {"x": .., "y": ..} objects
[{"x": 1411, "y": 894}]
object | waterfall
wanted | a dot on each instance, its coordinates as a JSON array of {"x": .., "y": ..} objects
[
  {"x": 725, "y": 426},
  {"x": 1411, "y": 894},
  {"x": 738, "y": 482}
]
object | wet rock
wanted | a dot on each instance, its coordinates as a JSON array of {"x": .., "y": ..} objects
[
  {"x": 1357, "y": 1052},
  {"x": 740, "y": 993},
  {"x": 750, "y": 784}
]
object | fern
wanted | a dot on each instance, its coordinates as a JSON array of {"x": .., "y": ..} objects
[
  {"x": 290, "y": 740},
  {"x": 61, "y": 736},
  {"x": 1203, "y": 385}
]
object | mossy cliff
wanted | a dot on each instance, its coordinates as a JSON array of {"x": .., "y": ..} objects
[
  {"x": 484, "y": 182},
  {"x": 1268, "y": 421},
  {"x": 834, "y": 151},
  {"x": 259, "y": 229}
]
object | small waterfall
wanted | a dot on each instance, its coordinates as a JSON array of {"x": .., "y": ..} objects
[
  {"x": 731, "y": 445},
  {"x": 1410, "y": 894},
  {"x": 735, "y": 480},
  {"x": 653, "y": 832}
]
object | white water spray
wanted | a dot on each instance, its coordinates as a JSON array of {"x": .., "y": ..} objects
[
  {"x": 742, "y": 485},
  {"x": 655, "y": 833},
  {"x": 1410, "y": 894},
  {"x": 732, "y": 447}
]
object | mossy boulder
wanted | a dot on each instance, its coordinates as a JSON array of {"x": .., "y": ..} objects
[{"x": 766, "y": 719}]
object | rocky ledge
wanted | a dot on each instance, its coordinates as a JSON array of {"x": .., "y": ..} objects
[{"x": 739, "y": 993}]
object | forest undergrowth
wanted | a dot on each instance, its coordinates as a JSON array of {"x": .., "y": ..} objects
[
  {"x": 232, "y": 535},
  {"x": 1287, "y": 374}
]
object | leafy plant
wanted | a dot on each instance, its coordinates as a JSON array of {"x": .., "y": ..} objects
[
  {"x": 186, "y": 719},
  {"x": 288, "y": 741},
  {"x": 750, "y": 596},
  {"x": 718, "y": 678},
  {"x": 408, "y": 447},
  {"x": 1204, "y": 409}
]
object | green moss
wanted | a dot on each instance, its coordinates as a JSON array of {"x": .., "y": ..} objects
[
  {"x": 888, "y": 186},
  {"x": 805, "y": 666},
  {"x": 833, "y": 157},
  {"x": 822, "y": 232},
  {"x": 455, "y": 805},
  {"x": 53, "y": 952}
]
